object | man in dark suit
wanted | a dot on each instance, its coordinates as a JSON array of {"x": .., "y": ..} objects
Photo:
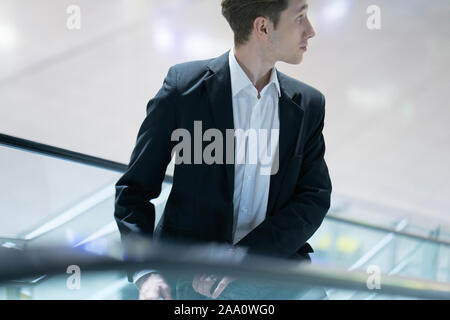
[{"x": 222, "y": 201}]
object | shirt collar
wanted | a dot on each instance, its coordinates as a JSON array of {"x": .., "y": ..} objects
[{"x": 240, "y": 80}]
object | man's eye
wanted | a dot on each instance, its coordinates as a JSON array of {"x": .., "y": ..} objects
[{"x": 300, "y": 19}]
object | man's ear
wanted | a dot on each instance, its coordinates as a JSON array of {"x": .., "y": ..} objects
[{"x": 262, "y": 27}]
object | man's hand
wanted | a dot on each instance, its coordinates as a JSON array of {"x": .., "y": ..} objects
[
  {"x": 203, "y": 284},
  {"x": 153, "y": 287}
]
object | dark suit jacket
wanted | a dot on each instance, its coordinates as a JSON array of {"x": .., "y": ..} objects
[{"x": 200, "y": 204}]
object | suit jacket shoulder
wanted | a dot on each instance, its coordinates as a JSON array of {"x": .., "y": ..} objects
[
  {"x": 190, "y": 74},
  {"x": 311, "y": 98}
]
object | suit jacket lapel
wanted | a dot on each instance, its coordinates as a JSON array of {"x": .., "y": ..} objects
[
  {"x": 218, "y": 86},
  {"x": 291, "y": 120}
]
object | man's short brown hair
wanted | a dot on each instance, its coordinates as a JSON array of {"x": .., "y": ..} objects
[{"x": 241, "y": 14}]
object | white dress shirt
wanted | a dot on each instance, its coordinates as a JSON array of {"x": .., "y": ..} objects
[{"x": 251, "y": 187}]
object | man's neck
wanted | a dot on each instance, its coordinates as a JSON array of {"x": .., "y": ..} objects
[{"x": 255, "y": 65}]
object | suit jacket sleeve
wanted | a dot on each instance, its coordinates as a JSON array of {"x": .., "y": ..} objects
[
  {"x": 286, "y": 231},
  {"x": 134, "y": 213}
]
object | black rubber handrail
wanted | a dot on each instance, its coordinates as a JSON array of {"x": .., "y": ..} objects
[
  {"x": 48, "y": 150},
  {"x": 388, "y": 230},
  {"x": 60, "y": 153}
]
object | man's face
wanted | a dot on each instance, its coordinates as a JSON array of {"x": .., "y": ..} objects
[{"x": 290, "y": 38}]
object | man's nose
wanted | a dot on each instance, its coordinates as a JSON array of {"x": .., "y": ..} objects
[{"x": 310, "y": 31}]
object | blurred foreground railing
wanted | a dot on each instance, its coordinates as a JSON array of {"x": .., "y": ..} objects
[{"x": 193, "y": 259}]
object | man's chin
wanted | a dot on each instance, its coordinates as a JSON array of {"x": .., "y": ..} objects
[{"x": 294, "y": 60}]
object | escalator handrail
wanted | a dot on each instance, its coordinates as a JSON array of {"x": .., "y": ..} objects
[{"x": 174, "y": 259}]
